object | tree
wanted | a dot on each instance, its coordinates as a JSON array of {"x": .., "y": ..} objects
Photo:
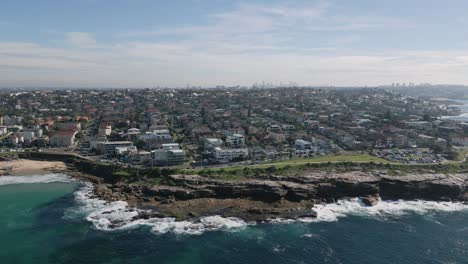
[
  {"x": 454, "y": 155},
  {"x": 140, "y": 144}
]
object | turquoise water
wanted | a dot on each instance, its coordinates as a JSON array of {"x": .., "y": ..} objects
[{"x": 37, "y": 225}]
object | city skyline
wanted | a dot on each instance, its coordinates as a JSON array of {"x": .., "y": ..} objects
[{"x": 207, "y": 43}]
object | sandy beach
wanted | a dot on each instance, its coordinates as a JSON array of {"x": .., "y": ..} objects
[{"x": 28, "y": 167}]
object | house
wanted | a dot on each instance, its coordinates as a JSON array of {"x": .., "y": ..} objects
[
  {"x": 30, "y": 134},
  {"x": 277, "y": 137},
  {"x": 105, "y": 129},
  {"x": 232, "y": 131},
  {"x": 211, "y": 143},
  {"x": 275, "y": 128},
  {"x": 288, "y": 128},
  {"x": 110, "y": 148},
  {"x": 169, "y": 155},
  {"x": 156, "y": 137},
  {"x": 63, "y": 138},
  {"x": 162, "y": 134},
  {"x": 121, "y": 151},
  {"x": 304, "y": 148},
  {"x": 235, "y": 140},
  {"x": 133, "y": 133},
  {"x": 302, "y": 144}
]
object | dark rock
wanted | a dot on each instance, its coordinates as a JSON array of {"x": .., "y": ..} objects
[
  {"x": 283, "y": 195},
  {"x": 297, "y": 214},
  {"x": 369, "y": 200}
]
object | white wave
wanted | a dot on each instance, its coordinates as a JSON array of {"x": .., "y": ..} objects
[
  {"x": 332, "y": 212},
  {"x": 46, "y": 178},
  {"x": 118, "y": 216}
]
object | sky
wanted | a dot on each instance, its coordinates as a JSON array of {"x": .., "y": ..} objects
[{"x": 149, "y": 43}]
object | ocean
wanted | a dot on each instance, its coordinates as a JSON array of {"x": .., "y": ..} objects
[
  {"x": 463, "y": 117},
  {"x": 54, "y": 219}
]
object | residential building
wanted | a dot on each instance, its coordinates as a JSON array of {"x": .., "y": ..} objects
[
  {"x": 233, "y": 131},
  {"x": 110, "y": 148},
  {"x": 169, "y": 154},
  {"x": 235, "y": 140},
  {"x": 226, "y": 155},
  {"x": 302, "y": 144},
  {"x": 63, "y": 138},
  {"x": 211, "y": 143}
]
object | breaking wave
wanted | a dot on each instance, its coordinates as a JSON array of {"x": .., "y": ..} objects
[
  {"x": 332, "y": 212},
  {"x": 118, "y": 216},
  {"x": 46, "y": 178}
]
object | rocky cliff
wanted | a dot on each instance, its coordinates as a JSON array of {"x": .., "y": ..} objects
[{"x": 189, "y": 196}]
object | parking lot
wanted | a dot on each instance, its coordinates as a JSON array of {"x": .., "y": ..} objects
[{"x": 410, "y": 156}]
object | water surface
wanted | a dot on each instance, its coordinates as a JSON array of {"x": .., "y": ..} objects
[{"x": 43, "y": 223}]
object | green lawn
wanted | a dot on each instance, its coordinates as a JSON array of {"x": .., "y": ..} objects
[
  {"x": 7, "y": 154},
  {"x": 357, "y": 158}
]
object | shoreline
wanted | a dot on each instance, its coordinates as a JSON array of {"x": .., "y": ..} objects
[
  {"x": 22, "y": 167},
  {"x": 188, "y": 197},
  {"x": 191, "y": 197}
]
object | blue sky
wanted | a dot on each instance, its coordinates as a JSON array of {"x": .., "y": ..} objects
[{"x": 143, "y": 43}]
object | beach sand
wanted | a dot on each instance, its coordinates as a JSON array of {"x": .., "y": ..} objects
[{"x": 28, "y": 167}]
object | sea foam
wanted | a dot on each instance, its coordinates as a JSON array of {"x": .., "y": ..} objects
[
  {"x": 118, "y": 216},
  {"x": 332, "y": 212},
  {"x": 46, "y": 178}
]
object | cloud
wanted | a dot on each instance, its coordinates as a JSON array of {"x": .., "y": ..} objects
[
  {"x": 274, "y": 28},
  {"x": 145, "y": 64},
  {"x": 280, "y": 19},
  {"x": 81, "y": 39},
  {"x": 247, "y": 44}
]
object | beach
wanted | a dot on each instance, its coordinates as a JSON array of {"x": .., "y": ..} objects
[{"x": 30, "y": 167}]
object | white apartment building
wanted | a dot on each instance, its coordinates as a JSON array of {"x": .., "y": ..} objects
[
  {"x": 226, "y": 155},
  {"x": 161, "y": 134},
  {"x": 211, "y": 143},
  {"x": 302, "y": 144},
  {"x": 169, "y": 154},
  {"x": 110, "y": 148}
]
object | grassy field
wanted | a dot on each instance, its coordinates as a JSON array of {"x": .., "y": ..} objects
[
  {"x": 7, "y": 154},
  {"x": 291, "y": 164},
  {"x": 359, "y": 158}
]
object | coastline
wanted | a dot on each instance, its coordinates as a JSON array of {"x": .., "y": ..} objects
[
  {"x": 265, "y": 197},
  {"x": 188, "y": 197},
  {"x": 21, "y": 167}
]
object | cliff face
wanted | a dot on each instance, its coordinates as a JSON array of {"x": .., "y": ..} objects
[{"x": 276, "y": 196}]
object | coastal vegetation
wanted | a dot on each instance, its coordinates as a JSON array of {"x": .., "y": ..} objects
[
  {"x": 114, "y": 173},
  {"x": 341, "y": 164}
]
